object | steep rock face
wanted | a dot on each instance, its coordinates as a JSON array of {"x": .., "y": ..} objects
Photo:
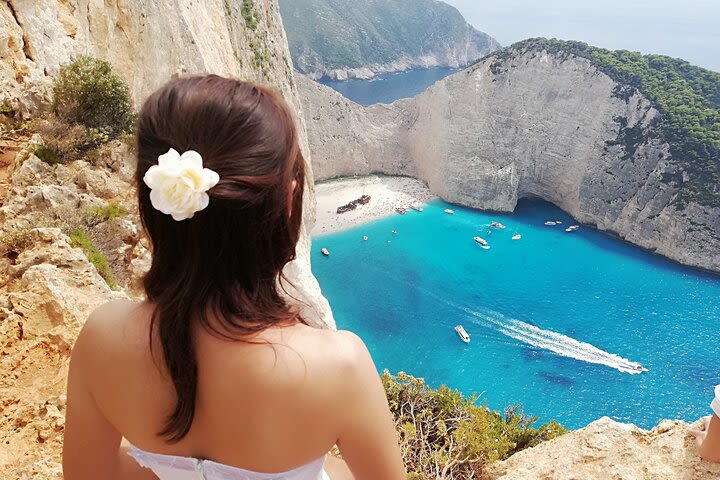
[
  {"x": 606, "y": 449},
  {"x": 533, "y": 125},
  {"x": 343, "y": 39},
  {"x": 147, "y": 43}
]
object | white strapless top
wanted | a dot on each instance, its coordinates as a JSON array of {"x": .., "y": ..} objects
[{"x": 171, "y": 467}]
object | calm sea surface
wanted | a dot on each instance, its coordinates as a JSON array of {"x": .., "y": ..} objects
[
  {"x": 389, "y": 87},
  {"x": 558, "y": 320}
]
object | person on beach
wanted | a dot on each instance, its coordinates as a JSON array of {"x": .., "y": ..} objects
[
  {"x": 215, "y": 376},
  {"x": 708, "y": 439}
]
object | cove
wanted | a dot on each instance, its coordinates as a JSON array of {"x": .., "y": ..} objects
[
  {"x": 388, "y": 87},
  {"x": 557, "y": 319}
]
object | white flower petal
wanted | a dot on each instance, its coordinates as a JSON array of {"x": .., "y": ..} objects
[
  {"x": 191, "y": 157},
  {"x": 170, "y": 158},
  {"x": 210, "y": 179}
]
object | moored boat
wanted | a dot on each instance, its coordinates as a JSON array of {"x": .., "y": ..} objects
[
  {"x": 517, "y": 236},
  {"x": 449, "y": 212},
  {"x": 496, "y": 224},
  {"x": 462, "y": 333},
  {"x": 550, "y": 223},
  {"x": 572, "y": 228},
  {"x": 480, "y": 240},
  {"x": 325, "y": 252},
  {"x": 416, "y": 207},
  {"x": 401, "y": 210}
]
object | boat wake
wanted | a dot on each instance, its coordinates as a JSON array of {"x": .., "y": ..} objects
[
  {"x": 540, "y": 338},
  {"x": 557, "y": 343}
]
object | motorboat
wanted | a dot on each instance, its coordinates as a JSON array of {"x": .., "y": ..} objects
[
  {"x": 495, "y": 224},
  {"x": 365, "y": 238},
  {"x": 517, "y": 236},
  {"x": 416, "y": 207},
  {"x": 481, "y": 241},
  {"x": 325, "y": 252},
  {"x": 558, "y": 222},
  {"x": 572, "y": 228},
  {"x": 394, "y": 232},
  {"x": 462, "y": 333},
  {"x": 449, "y": 212},
  {"x": 550, "y": 223}
]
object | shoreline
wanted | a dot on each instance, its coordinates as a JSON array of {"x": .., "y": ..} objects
[{"x": 386, "y": 193}]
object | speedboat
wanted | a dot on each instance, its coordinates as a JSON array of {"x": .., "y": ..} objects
[
  {"x": 495, "y": 224},
  {"x": 517, "y": 236},
  {"x": 572, "y": 228},
  {"x": 365, "y": 238},
  {"x": 325, "y": 252},
  {"x": 481, "y": 241},
  {"x": 462, "y": 333},
  {"x": 394, "y": 232},
  {"x": 550, "y": 223},
  {"x": 450, "y": 212},
  {"x": 558, "y": 222},
  {"x": 416, "y": 207}
]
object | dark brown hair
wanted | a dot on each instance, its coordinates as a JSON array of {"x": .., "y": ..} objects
[{"x": 228, "y": 259}]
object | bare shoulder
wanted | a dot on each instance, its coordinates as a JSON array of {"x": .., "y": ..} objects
[{"x": 105, "y": 326}]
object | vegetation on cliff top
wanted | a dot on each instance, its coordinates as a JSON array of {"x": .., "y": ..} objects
[
  {"x": 337, "y": 34},
  {"x": 687, "y": 97},
  {"x": 444, "y": 435}
]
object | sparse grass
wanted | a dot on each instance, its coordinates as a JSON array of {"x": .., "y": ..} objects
[
  {"x": 250, "y": 14},
  {"x": 95, "y": 215},
  {"x": 80, "y": 238},
  {"x": 6, "y": 108},
  {"x": 49, "y": 154},
  {"x": 444, "y": 435},
  {"x": 14, "y": 241}
]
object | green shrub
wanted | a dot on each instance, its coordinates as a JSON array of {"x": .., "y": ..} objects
[
  {"x": 14, "y": 241},
  {"x": 80, "y": 238},
  {"x": 95, "y": 215},
  {"x": 86, "y": 91},
  {"x": 250, "y": 14},
  {"x": 6, "y": 108},
  {"x": 444, "y": 435},
  {"x": 49, "y": 154}
]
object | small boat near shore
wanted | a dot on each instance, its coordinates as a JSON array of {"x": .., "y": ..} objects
[
  {"x": 325, "y": 252},
  {"x": 550, "y": 223},
  {"x": 416, "y": 207},
  {"x": 496, "y": 224},
  {"x": 481, "y": 241},
  {"x": 449, "y": 212},
  {"x": 462, "y": 333},
  {"x": 517, "y": 236},
  {"x": 572, "y": 228},
  {"x": 401, "y": 210}
]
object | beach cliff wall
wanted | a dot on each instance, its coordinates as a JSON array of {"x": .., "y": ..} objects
[
  {"x": 47, "y": 285},
  {"x": 530, "y": 124}
]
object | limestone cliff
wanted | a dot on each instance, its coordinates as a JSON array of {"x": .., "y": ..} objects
[
  {"x": 528, "y": 124},
  {"x": 343, "y": 39},
  {"x": 47, "y": 284},
  {"x": 606, "y": 449}
]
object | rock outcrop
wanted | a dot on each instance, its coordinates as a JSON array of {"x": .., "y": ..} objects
[
  {"x": 527, "y": 125},
  {"x": 606, "y": 449}
]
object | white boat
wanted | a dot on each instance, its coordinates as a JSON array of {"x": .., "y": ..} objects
[
  {"x": 558, "y": 222},
  {"x": 550, "y": 223},
  {"x": 481, "y": 241},
  {"x": 495, "y": 224},
  {"x": 325, "y": 252},
  {"x": 417, "y": 208},
  {"x": 365, "y": 238},
  {"x": 485, "y": 247},
  {"x": 462, "y": 333},
  {"x": 394, "y": 232},
  {"x": 517, "y": 236},
  {"x": 450, "y": 212},
  {"x": 572, "y": 228}
]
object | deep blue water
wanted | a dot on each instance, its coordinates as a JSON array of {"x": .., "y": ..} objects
[
  {"x": 389, "y": 87},
  {"x": 556, "y": 318}
]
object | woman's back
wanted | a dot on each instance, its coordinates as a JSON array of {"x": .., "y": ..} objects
[{"x": 217, "y": 364}]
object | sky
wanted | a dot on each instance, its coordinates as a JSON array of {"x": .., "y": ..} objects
[{"x": 689, "y": 29}]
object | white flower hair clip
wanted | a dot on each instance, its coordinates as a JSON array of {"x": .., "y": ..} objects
[{"x": 179, "y": 184}]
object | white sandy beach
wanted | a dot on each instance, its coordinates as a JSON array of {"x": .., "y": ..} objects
[{"x": 385, "y": 192}]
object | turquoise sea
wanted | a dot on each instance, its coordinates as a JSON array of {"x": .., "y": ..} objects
[
  {"x": 389, "y": 87},
  {"x": 557, "y": 319}
]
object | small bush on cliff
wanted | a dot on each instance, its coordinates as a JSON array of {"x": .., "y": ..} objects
[
  {"x": 444, "y": 435},
  {"x": 96, "y": 215},
  {"x": 86, "y": 91},
  {"x": 80, "y": 238}
]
